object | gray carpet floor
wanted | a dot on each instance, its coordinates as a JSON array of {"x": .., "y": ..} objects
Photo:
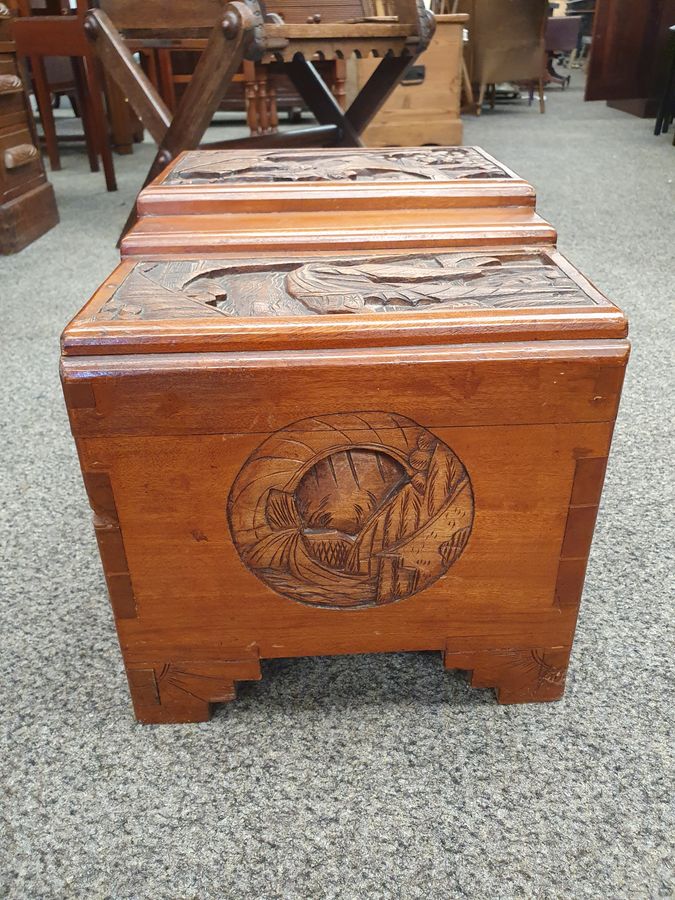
[{"x": 356, "y": 777}]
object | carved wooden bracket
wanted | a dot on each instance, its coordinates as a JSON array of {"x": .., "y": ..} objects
[
  {"x": 519, "y": 676},
  {"x": 21, "y": 155},
  {"x": 10, "y": 84},
  {"x": 183, "y": 691}
]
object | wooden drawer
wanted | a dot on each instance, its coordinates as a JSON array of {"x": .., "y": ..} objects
[
  {"x": 19, "y": 159},
  {"x": 12, "y": 100},
  {"x": 7, "y": 64}
]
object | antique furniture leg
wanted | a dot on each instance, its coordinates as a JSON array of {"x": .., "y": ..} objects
[
  {"x": 468, "y": 87},
  {"x": 318, "y": 97},
  {"x": 120, "y": 114},
  {"x": 339, "y": 89},
  {"x": 273, "y": 111},
  {"x": 44, "y": 104},
  {"x": 184, "y": 691},
  {"x": 481, "y": 98},
  {"x": 85, "y": 112},
  {"x": 542, "y": 100},
  {"x": 251, "y": 98},
  {"x": 262, "y": 100},
  {"x": 165, "y": 75},
  {"x": 99, "y": 120},
  {"x": 519, "y": 676}
]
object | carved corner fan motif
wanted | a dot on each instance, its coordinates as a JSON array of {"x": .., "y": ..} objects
[
  {"x": 351, "y": 510},
  {"x": 275, "y": 166},
  {"x": 392, "y": 283}
]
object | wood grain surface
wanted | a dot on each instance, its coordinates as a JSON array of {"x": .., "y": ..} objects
[{"x": 314, "y": 451}]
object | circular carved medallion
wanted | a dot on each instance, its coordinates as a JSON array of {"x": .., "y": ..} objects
[{"x": 351, "y": 510}]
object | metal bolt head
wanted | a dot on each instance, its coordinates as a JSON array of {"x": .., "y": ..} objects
[{"x": 231, "y": 25}]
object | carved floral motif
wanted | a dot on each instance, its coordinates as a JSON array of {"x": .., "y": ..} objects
[
  {"x": 392, "y": 283},
  {"x": 351, "y": 510},
  {"x": 276, "y": 166}
]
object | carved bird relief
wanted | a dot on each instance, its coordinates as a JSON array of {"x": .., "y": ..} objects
[{"x": 344, "y": 285}]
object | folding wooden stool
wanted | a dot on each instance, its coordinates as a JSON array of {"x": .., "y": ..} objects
[{"x": 247, "y": 30}]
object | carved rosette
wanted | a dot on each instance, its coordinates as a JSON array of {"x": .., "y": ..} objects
[{"x": 351, "y": 510}]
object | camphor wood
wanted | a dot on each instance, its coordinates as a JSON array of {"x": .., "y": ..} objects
[
  {"x": 338, "y": 449},
  {"x": 220, "y": 202}
]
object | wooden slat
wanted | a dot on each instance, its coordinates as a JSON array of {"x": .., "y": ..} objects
[
  {"x": 163, "y": 15},
  {"x": 125, "y": 72}
]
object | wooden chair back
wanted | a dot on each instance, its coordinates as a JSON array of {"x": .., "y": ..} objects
[
  {"x": 506, "y": 39},
  {"x": 189, "y": 17},
  {"x": 182, "y": 18},
  {"x": 562, "y": 33},
  {"x": 298, "y": 11}
]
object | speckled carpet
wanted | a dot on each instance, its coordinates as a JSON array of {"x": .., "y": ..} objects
[{"x": 361, "y": 777}]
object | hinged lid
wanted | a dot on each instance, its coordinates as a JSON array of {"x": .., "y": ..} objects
[
  {"x": 339, "y": 199},
  {"x": 247, "y": 181},
  {"x": 331, "y": 301}
]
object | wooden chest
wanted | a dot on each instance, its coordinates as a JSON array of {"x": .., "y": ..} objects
[
  {"x": 305, "y": 430},
  {"x": 425, "y": 107}
]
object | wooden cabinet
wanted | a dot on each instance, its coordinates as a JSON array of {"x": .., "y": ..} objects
[
  {"x": 27, "y": 204},
  {"x": 628, "y": 62},
  {"x": 425, "y": 107}
]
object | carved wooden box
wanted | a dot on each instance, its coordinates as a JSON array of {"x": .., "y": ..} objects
[
  {"x": 352, "y": 199},
  {"x": 295, "y": 452}
]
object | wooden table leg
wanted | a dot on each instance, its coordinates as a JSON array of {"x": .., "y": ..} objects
[
  {"x": 119, "y": 113},
  {"x": 44, "y": 103}
]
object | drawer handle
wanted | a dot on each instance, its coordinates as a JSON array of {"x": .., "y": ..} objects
[
  {"x": 20, "y": 155},
  {"x": 10, "y": 84}
]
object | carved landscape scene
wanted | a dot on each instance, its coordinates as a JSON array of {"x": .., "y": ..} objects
[
  {"x": 351, "y": 510},
  {"x": 345, "y": 285},
  {"x": 278, "y": 166}
]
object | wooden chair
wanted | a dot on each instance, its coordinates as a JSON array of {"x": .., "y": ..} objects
[
  {"x": 286, "y": 35},
  {"x": 43, "y": 36},
  {"x": 506, "y": 43},
  {"x": 253, "y": 90},
  {"x": 562, "y": 35}
]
